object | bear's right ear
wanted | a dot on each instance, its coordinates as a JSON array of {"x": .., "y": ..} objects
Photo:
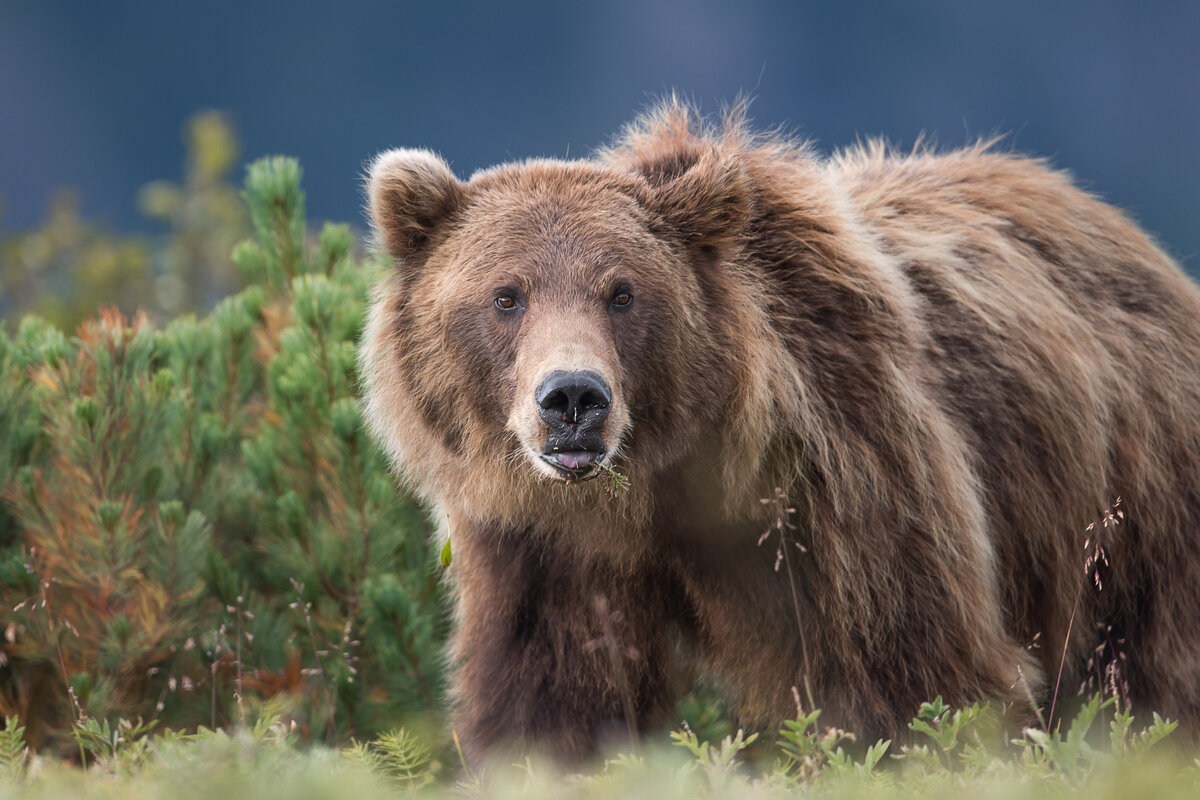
[
  {"x": 412, "y": 193},
  {"x": 698, "y": 193}
]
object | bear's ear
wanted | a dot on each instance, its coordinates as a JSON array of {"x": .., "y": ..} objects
[
  {"x": 696, "y": 192},
  {"x": 707, "y": 203},
  {"x": 412, "y": 194}
]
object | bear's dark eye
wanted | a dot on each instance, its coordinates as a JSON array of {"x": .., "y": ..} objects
[
  {"x": 621, "y": 299},
  {"x": 506, "y": 302}
]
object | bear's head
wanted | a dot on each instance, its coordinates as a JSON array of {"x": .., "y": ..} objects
[{"x": 547, "y": 319}]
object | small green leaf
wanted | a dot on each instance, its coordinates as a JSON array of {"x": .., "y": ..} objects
[{"x": 446, "y": 554}]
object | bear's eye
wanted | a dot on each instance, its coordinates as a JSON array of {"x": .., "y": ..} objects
[
  {"x": 506, "y": 302},
  {"x": 621, "y": 299}
]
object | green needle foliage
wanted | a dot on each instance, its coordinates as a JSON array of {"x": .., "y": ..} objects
[{"x": 193, "y": 518}]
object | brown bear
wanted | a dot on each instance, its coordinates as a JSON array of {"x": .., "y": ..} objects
[{"x": 922, "y": 375}]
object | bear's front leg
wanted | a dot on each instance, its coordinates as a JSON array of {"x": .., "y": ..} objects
[{"x": 552, "y": 657}]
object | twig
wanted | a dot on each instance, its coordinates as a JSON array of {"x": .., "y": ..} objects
[
  {"x": 781, "y": 523},
  {"x": 1091, "y": 567},
  {"x": 331, "y": 696}
]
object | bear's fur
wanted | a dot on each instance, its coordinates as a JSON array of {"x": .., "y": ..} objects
[{"x": 938, "y": 367}]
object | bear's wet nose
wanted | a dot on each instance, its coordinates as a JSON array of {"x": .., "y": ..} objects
[{"x": 568, "y": 397}]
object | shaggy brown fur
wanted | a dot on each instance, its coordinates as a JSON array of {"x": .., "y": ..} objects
[{"x": 949, "y": 363}]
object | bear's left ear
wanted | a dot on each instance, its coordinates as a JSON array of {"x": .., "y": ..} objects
[
  {"x": 697, "y": 193},
  {"x": 412, "y": 194}
]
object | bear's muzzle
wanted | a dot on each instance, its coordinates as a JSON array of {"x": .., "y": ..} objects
[{"x": 574, "y": 406}]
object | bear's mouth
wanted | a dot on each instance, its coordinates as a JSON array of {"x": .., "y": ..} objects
[{"x": 574, "y": 464}]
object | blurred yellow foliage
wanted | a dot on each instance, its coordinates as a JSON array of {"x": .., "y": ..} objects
[{"x": 68, "y": 268}]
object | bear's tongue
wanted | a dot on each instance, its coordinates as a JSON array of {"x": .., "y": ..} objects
[{"x": 575, "y": 459}]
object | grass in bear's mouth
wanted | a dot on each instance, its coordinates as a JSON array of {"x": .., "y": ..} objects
[{"x": 614, "y": 482}]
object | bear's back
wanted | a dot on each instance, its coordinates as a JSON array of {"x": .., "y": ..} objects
[{"x": 1067, "y": 347}]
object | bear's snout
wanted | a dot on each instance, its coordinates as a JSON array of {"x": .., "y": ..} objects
[
  {"x": 574, "y": 406},
  {"x": 573, "y": 398}
]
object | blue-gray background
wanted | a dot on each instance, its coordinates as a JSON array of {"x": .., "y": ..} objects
[{"x": 93, "y": 94}]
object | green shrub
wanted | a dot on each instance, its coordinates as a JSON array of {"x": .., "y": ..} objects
[{"x": 194, "y": 519}]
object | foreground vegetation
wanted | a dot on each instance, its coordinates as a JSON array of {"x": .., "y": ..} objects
[
  {"x": 209, "y": 584},
  {"x": 953, "y": 752}
]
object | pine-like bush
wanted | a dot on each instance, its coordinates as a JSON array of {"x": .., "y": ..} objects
[{"x": 193, "y": 517}]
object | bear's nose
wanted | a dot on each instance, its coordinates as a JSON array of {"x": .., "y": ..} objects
[{"x": 568, "y": 397}]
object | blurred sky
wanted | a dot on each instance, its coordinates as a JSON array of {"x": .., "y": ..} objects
[{"x": 94, "y": 94}]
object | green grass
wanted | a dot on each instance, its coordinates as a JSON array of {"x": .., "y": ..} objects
[{"x": 951, "y": 753}]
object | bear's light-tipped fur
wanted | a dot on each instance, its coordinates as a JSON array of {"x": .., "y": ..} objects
[{"x": 948, "y": 364}]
